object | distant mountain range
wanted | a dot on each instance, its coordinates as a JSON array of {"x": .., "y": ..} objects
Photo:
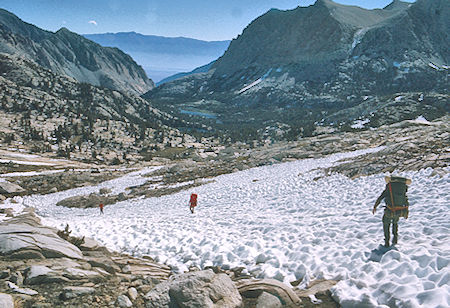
[
  {"x": 68, "y": 53},
  {"x": 162, "y": 57},
  {"x": 312, "y": 64}
]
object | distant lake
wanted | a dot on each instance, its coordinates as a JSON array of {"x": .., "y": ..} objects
[{"x": 198, "y": 113}]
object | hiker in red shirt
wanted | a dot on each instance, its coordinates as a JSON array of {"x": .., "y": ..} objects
[
  {"x": 193, "y": 202},
  {"x": 101, "y": 208}
]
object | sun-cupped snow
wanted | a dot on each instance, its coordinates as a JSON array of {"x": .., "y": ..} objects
[{"x": 288, "y": 221}]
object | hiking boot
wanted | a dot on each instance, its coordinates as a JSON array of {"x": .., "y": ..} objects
[{"x": 386, "y": 243}]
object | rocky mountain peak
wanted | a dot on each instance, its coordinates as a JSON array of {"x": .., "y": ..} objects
[
  {"x": 397, "y": 4},
  {"x": 15, "y": 25},
  {"x": 68, "y": 53}
]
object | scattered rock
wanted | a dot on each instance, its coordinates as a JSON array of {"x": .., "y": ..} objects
[
  {"x": 132, "y": 293},
  {"x": 16, "y": 289},
  {"x": 211, "y": 290},
  {"x": 77, "y": 274},
  {"x": 104, "y": 191},
  {"x": 73, "y": 291},
  {"x": 37, "y": 274},
  {"x": 5, "y": 273},
  {"x": 255, "y": 287},
  {"x": 9, "y": 189},
  {"x": 123, "y": 301},
  {"x": 267, "y": 300},
  {"x": 126, "y": 269},
  {"x": 104, "y": 263},
  {"x": 2, "y": 198},
  {"x": 318, "y": 292},
  {"x": 17, "y": 278},
  {"x": 89, "y": 201}
]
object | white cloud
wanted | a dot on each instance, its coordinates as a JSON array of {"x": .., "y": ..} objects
[{"x": 93, "y": 22}]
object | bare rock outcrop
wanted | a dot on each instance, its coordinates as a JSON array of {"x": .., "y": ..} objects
[
  {"x": 24, "y": 236},
  {"x": 195, "y": 289}
]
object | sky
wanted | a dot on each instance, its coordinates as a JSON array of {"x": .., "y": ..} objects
[{"x": 201, "y": 19}]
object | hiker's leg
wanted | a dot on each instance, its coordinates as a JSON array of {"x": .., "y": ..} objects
[
  {"x": 386, "y": 225},
  {"x": 395, "y": 230}
]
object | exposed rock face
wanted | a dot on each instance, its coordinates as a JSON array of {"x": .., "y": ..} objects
[
  {"x": 95, "y": 277},
  {"x": 67, "y": 53},
  {"x": 25, "y": 233}
]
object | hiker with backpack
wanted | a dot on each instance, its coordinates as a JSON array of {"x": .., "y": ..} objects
[
  {"x": 397, "y": 206},
  {"x": 193, "y": 202}
]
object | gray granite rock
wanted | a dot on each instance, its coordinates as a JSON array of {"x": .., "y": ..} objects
[
  {"x": 25, "y": 233},
  {"x": 16, "y": 289},
  {"x": 70, "y": 292},
  {"x": 267, "y": 300},
  {"x": 77, "y": 274},
  {"x": 196, "y": 289},
  {"x": 158, "y": 297},
  {"x": 104, "y": 263},
  {"x": 6, "y": 301},
  {"x": 7, "y": 188},
  {"x": 123, "y": 301},
  {"x": 132, "y": 293},
  {"x": 38, "y": 274}
]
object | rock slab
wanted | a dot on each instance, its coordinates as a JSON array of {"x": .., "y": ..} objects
[{"x": 24, "y": 236}]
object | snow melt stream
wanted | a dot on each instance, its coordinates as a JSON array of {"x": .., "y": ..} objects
[{"x": 287, "y": 221}]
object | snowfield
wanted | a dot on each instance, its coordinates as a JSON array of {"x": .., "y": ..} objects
[{"x": 289, "y": 222}]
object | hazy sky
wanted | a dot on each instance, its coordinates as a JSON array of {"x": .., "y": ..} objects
[{"x": 201, "y": 19}]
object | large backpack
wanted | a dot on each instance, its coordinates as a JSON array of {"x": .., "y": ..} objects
[
  {"x": 397, "y": 201},
  {"x": 193, "y": 200}
]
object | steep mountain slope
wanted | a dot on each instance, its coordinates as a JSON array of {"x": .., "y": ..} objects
[
  {"x": 45, "y": 112},
  {"x": 163, "y": 56},
  {"x": 67, "y": 53},
  {"x": 304, "y": 65}
]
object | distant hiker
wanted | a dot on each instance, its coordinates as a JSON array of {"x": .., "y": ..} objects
[
  {"x": 397, "y": 204},
  {"x": 193, "y": 202},
  {"x": 101, "y": 208}
]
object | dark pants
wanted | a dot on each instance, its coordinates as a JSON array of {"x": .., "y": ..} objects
[{"x": 388, "y": 219}]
